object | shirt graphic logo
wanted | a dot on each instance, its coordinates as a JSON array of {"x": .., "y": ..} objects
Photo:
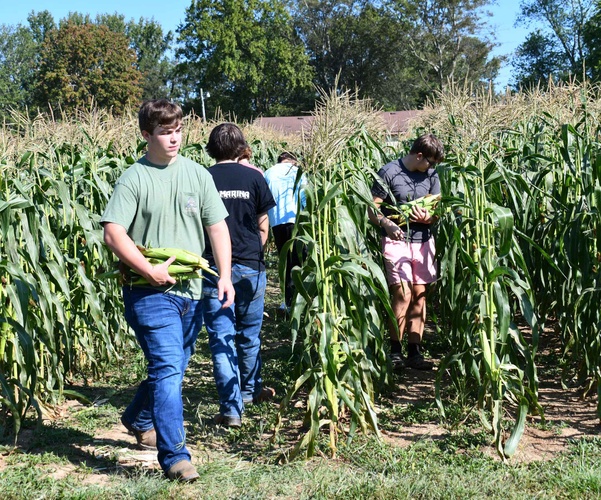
[
  {"x": 235, "y": 194},
  {"x": 191, "y": 207}
]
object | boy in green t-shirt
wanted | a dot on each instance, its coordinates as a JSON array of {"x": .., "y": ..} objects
[{"x": 165, "y": 200}]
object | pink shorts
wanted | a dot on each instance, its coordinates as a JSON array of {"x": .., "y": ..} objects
[{"x": 409, "y": 262}]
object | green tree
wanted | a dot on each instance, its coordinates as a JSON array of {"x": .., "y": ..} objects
[
  {"x": 563, "y": 31},
  {"x": 592, "y": 41},
  {"x": 358, "y": 46},
  {"x": 19, "y": 56},
  {"x": 85, "y": 64},
  {"x": 537, "y": 60},
  {"x": 448, "y": 41},
  {"x": 151, "y": 45},
  {"x": 395, "y": 52},
  {"x": 325, "y": 27},
  {"x": 246, "y": 53},
  {"x": 40, "y": 24}
]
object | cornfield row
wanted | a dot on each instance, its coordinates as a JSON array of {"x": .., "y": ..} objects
[{"x": 519, "y": 249}]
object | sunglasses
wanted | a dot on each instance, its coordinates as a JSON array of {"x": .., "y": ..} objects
[{"x": 430, "y": 162}]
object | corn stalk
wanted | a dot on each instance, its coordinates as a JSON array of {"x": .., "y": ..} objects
[
  {"x": 54, "y": 321},
  {"x": 336, "y": 315}
]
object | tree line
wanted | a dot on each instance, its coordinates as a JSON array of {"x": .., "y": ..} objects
[{"x": 267, "y": 57}]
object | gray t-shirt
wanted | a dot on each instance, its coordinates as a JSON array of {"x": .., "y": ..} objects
[
  {"x": 399, "y": 186},
  {"x": 167, "y": 206}
]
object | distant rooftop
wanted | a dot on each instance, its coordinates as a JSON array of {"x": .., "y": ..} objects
[{"x": 396, "y": 122}]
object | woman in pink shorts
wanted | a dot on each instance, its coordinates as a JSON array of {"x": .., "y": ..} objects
[{"x": 408, "y": 249}]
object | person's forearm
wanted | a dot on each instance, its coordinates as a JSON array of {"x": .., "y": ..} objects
[
  {"x": 117, "y": 239},
  {"x": 374, "y": 216},
  {"x": 263, "y": 223},
  {"x": 219, "y": 236},
  {"x": 374, "y": 213}
]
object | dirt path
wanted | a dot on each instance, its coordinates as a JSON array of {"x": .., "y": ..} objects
[{"x": 568, "y": 416}]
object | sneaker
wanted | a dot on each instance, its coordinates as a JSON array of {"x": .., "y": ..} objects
[
  {"x": 182, "y": 471},
  {"x": 227, "y": 420},
  {"x": 147, "y": 440},
  {"x": 266, "y": 394},
  {"x": 417, "y": 362},
  {"x": 397, "y": 360}
]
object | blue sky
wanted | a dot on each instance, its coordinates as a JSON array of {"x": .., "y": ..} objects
[{"x": 171, "y": 12}]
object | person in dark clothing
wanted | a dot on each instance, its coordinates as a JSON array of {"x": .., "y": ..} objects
[{"x": 235, "y": 332}]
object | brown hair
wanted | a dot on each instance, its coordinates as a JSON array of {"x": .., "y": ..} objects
[
  {"x": 246, "y": 154},
  {"x": 286, "y": 156},
  {"x": 158, "y": 112},
  {"x": 430, "y": 146},
  {"x": 226, "y": 142}
]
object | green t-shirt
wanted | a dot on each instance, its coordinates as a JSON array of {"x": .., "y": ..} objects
[{"x": 167, "y": 206}]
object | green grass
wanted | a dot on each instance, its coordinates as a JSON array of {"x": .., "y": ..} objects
[
  {"x": 67, "y": 459},
  {"x": 365, "y": 469}
]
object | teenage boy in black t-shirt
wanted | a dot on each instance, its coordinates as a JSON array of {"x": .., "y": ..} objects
[{"x": 235, "y": 332}]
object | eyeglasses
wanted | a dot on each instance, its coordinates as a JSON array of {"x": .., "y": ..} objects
[{"x": 430, "y": 162}]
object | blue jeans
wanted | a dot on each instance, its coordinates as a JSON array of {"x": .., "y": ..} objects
[
  {"x": 166, "y": 327},
  {"x": 235, "y": 338}
]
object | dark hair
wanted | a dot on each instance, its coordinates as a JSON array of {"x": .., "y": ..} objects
[
  {"x": 226, "y": 142},
  {"x": 428, "y": 145},
  {"x": 286, "y": 156},
  {"x": 158, "y": 112}
]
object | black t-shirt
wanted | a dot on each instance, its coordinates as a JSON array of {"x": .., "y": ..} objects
[
  {"x": 245, "y": 194},
  {"x": 400, "y": 186}
]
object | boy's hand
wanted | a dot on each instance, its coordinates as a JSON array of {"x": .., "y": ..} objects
[
  {"x": 159, "y": 274},
  {"x": 225, "y": 288},
  {"x": 420, "y": 214}
]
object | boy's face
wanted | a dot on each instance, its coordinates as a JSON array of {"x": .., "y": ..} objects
[
  {"x": 424, "y": 163},
  {"x": 164, "y": 143}
]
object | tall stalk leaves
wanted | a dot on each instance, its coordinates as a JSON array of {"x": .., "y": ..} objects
[
  {"x": 54, "y": 319},
  {"x": 536, "y": 156},
  {"x": 483, "y": 283},
  {"x": 336, "y": 321}
]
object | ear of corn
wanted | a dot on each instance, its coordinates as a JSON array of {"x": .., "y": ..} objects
[
  {"x": 187, "y": 265},
  {"x": 182, "y": 256},
  {"x": 429, "y": 202},
  {"x": 174, "y": 268},
  {"x": 139, "y": 280}
]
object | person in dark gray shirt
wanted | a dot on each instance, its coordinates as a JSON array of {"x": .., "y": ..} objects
[{"x": 408, "y": 246}]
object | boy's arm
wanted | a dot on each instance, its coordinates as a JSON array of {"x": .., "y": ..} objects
[
  {"x": 117, "y": 239},
  {"x": 376, "y": 217},
  {"x": 263, "y": 224},
  {"x": 219, "y": 235}
]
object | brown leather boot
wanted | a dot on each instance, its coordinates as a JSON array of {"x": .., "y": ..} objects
[
  {"x": 182, "y": 471},
  {"x": 147, "y": 440}
]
